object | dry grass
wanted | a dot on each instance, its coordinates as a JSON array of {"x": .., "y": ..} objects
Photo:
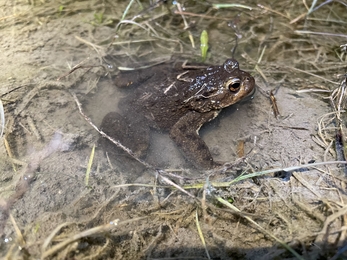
[{"x": 287, "y": 42}]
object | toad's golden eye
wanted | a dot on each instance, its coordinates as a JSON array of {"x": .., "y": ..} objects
[{"x": 233, "y": 84}]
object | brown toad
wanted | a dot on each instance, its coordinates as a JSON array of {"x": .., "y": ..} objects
[{"x": 168, "y": 97}]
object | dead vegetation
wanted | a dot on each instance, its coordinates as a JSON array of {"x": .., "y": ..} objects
[{"x": 261, "y": 204}]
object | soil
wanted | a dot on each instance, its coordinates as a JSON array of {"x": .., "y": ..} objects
[{"x": 55, "y": 55}]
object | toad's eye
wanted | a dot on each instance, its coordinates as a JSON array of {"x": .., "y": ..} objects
[{"x": 233, "y": 84}]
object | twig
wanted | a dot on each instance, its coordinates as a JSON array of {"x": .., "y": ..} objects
[
  {"x": 201, "y": 235},
  {"x": 127, "y": 150},
  {"x": 260, "y": 228},
  {"x": 90, "y": 232},
  {"x": 321, "y": 33}
]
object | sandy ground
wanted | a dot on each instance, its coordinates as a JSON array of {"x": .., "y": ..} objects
[{"x": 52, "y": 51}]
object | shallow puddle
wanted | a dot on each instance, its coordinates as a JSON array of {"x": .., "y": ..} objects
[{"x": 55, "y": 55}]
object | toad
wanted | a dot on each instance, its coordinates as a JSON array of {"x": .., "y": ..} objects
[{"x": 170, "y": 98}]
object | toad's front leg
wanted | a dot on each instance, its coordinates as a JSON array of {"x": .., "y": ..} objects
[{"x": 185, "y": 133}]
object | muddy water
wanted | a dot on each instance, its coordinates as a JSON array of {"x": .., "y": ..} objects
[{"x": 50, "y": 50}]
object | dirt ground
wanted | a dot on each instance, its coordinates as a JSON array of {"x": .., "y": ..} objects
[{"x": 55, "y": 54}]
